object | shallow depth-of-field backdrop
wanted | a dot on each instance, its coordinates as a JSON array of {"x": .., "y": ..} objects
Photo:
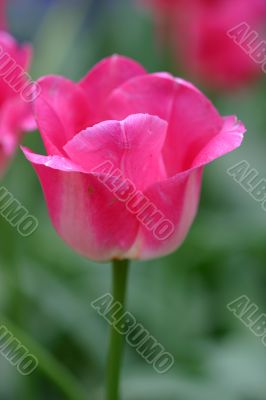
[{"x": 46, "y": 289}]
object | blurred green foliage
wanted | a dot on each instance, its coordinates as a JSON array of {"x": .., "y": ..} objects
[{"x": 46, "y": 289}]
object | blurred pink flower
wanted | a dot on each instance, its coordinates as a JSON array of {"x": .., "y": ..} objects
[
  {"x": 15, "y": 114},
  {"x": 198, "y": 34},
  {"x": 159, "y": 130}
]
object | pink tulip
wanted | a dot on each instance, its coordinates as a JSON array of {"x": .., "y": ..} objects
[
  {"x": 200, "y": 41},
  {"x": 158, "y": 130},
  {"x": 15, "y": 113}
]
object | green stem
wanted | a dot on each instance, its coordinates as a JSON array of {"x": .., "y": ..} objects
[
  {"x": 120, "y": 273},
  {"x": 52, "y": 368}
]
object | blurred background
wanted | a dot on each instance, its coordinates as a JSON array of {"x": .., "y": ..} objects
[{"x": 46, "y": 289}]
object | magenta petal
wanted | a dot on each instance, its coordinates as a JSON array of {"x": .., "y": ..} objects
[
  {"x": 20, "y": 54},
  {"x": 55, "y": 162},
  {"x": 177, "y": 200},
  {"x": 132, "y": 145},
  {"x": 84, "y": 213},
  {"x": 24, "y": 56},
  {"x": 61, "y": 110},
  {"x": 151, "y": 94},
  {"x": 16, "y": 117},
  {"x": 227, "y": 140},
  {"x": 106, "y": 76},
  {"x": 193, "y": 120},
  {"x": 12, "y": 54}
]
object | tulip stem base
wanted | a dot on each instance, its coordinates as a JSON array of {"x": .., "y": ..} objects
[{"x": 120, "y": 273}]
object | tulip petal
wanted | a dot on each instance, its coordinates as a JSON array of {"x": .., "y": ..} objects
[
  {"x": 176, "y": 199},
  {"x": 227, "y": 140},
  {"x": 151, "y": 94},
  {"x": 83, "y": 211},
  {"x": 15, "y": 60},
  {"x": 62, "y": 110},
  {"x": 55, "y": 162},
  {"x": 104, "y": 78},
  {"x": 16, "y": 116},
  {"x": 193, "y": 120},
  {"x": 133, "y": 146},
  {"x": 25, "y": 56}
]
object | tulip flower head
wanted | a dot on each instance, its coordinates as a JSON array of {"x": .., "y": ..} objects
[
  {"x": 125, "y": 156},
  {"x": 15, "y": 113},
  {"x": 200, "y": 42}
]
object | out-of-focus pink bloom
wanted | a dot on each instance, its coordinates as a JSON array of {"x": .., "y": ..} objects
[
  {"x": 15, "y": 114},
  {"x": 158, "y": 130},
  {"x": 198, "y": 34}
]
